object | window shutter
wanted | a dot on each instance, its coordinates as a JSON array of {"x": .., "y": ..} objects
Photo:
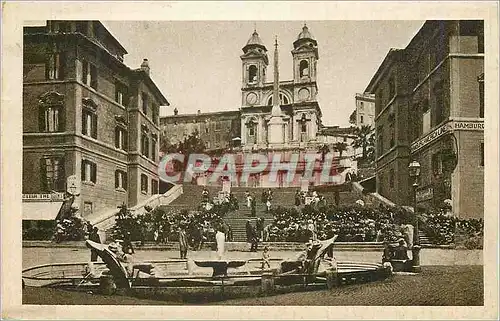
[
  {"x": 117, "y": 137},
  {"x": 43, "y": 174},
  {"x": 117, "y": 179},
  {"x": 84, "y": 123},
  {"x": 41, "y": 119},
  {"x": 83, "y": 170},
  {"x": 61, "y": 115},
  {"x": 94, "y": 126},
  {"x": 125, "y": 140},
  {"x": 93, "y": 174},
  {"x": 62, "y": 65}
]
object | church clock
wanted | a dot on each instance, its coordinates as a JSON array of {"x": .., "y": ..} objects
[{"x": 252, "y": 98}]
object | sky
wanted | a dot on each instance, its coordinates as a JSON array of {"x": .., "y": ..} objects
[{"x": 197, "y": 65}]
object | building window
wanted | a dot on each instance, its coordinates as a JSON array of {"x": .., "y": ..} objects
[
  {"x": 145, "y": 103},
  {"x": 56, "y": 60},
  {"x": 391, "y": 178},
  {"x": 52, "y": 174},
  {"x": 361, "y": 106},
  {"x": 480, "y": 79},
  {"x": 251, "y": 131},
  {"x": 482, "y": 154},
  {"x": 89, "y": 123},
  {"x": 361, "y": 119},
  {"x": 89, "y": 171},
  {"x": 392, "y": 88},
  {"x": 380, "y": 140},
  {"x": 145, "y": 145},
  {"x": 345, "y": 139},
  {"x": 144, "y": 183},
  {"x": 252, "y": 74},
  {"x": 283, "y": 100},
  {"x": 154, "y": 186},
  {"x": 120, "y": 138},
  {"x": 437, "y": 164},
  {"x": 153, "y": 149},
  {"x": 380, "y": 99},
  {"x": 89, "y": 74},
  {"x": 304, "y": 68},
  {"x": 218, "y": 126},
  {"x": 207, "y": 130},
  {"x": 426, "y": 117},
  {"x": 121, "y": 96},
  {"x": 121, "y": 180},
  {"x": 155, "y": 112},
  {"x": 51, "y": 119},
  {"x": 439, "y": 103}
]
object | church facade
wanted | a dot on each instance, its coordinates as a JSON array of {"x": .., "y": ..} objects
[
  {"x": 297, "y": 105},
  {"x": 276, "y": 117}
]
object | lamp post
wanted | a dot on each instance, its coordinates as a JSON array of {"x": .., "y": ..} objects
[{"x": 414, "y": 171}]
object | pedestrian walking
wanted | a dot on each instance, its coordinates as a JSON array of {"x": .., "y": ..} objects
[
  {"x": 94, "y": 237},
  {"x": 220, "y": 239}
]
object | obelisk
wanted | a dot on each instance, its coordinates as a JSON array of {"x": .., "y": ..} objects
[{"x": 275, "y": 126}]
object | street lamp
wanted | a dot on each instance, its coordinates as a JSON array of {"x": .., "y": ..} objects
[{"x": 414, "y": 170}]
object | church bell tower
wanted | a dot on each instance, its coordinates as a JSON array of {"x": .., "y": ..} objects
[
  {"x": 305, "y": 57},
  {"x": 254, "y": 64}
]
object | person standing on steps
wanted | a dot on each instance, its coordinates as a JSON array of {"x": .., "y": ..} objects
[
  {"x": 254, "y": 239},
  {"x": 260, "y": 228},
  {"x": 183, "y": 242},
  {"x": 253, "y": 205},
  {"x": 248, "y": 199},
  {"x": 248, "y": 229}
]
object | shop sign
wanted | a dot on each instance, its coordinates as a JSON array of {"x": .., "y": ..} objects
[
  {"x": 440, "y": 131},
  {"x": 468, "y": 125},
  {"x": 425, "y": 194},
  {"x": 449, "y": 126},
  {"x": 43, "y": 197}
]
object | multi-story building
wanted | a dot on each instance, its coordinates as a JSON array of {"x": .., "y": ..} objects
[
  {"x": 218, "y": 130},
  {"x": 439, "y": 119},
  {"x": 365, "y": 109},
  {"x": 391, "y": 121},
  {"x": 89, "y": 116}
]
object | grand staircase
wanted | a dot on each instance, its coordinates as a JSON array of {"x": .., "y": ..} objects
[{"x": 284, "y": 197}]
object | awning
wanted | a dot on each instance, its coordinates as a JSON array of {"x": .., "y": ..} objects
[{"x": 43, "y": 211}]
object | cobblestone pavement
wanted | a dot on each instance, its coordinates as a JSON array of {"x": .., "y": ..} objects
[
  {"x": 38, "y": 255},
  {"x": 435, "y": 286}
]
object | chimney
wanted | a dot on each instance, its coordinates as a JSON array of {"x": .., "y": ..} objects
[
  {"x": 176, "y": 111},
  {"x": 145, "y": 66}
]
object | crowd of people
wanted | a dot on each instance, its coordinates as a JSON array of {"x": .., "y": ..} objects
[
  {"x": 442, "y": 228},
  {"x": 351, "y": 224}
]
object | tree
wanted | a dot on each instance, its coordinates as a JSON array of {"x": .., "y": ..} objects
[
  {"x": 340, "y": 147},
  {"x": 365, "y": 139},
  {"x": 352, "y": 117},
  {"x": 191, "y": 144},
  {"x": 323, "y": 150}
]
